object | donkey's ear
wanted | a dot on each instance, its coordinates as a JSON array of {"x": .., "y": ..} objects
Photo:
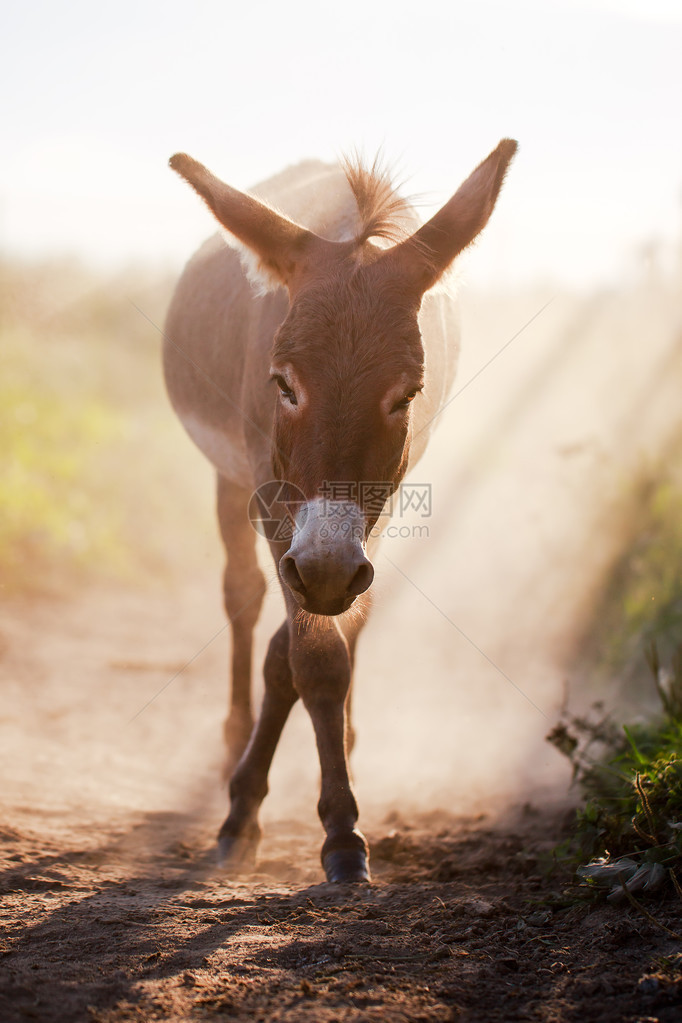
[
  {"x": 281, "y": 251},
  {"x": 426, "y": 255}
]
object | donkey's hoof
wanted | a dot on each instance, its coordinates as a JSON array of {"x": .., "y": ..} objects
[
  {"x": 236, "y": 853},
  {"x": 346, "y": 866}
]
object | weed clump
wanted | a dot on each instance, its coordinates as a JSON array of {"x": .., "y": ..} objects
[{"x": 627, "y": 835}]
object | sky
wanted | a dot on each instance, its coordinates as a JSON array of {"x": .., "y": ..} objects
[{"x": 97, "y": 98}]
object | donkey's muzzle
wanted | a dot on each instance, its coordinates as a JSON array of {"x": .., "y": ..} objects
[
  {"x": 325, "y": 567},
  {"x": 327, "y": 588}
]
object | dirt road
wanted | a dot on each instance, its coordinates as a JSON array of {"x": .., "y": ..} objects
[{"x": 113, "y": 910}]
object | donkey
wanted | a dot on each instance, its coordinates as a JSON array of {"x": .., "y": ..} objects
[{"x": 313, "y": 350}]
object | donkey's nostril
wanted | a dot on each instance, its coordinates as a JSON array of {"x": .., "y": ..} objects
[
  {"x": 289, "y": 573},
  {"x": 324, "y": 584},
  {"x": 362, "y": 580}
]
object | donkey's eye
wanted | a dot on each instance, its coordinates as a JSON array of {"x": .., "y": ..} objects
[
  {"x": 404, "y": 402},
  {"x": 285, "y": 390}
]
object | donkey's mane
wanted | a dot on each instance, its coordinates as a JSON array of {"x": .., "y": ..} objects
[{"x": 383, "y": 213}]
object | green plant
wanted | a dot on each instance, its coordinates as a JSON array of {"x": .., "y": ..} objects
[
  {"x": 97, "y": 479},
  {"x": 630, "y": 824},
  {"x": 641, "y": 602},
  {"x": 53, "y": 438}
]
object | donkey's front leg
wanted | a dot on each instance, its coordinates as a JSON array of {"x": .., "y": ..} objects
[
  {"x": 240, "y": 834},
  {"x": 321, "y": 665}
]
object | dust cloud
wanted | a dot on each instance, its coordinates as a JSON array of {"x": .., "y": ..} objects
[{"x": 115, "y": 700}]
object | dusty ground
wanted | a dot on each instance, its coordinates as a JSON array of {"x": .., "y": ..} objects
[{"x": 112, "y": 909}]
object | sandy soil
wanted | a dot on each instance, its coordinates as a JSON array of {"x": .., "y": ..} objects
[{"x": 113, "y": 910}]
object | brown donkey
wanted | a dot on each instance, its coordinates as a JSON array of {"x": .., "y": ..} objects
[{"x": 316, "y": 357}]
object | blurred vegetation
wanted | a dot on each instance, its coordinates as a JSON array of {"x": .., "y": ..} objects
[
  {"x": 98, "y": 479},
  {"x": 642, "y": 600}
]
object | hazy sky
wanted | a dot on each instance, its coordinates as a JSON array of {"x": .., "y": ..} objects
[{"x": 98, "y": 97}]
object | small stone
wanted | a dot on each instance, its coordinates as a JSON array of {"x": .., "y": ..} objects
[
  {"x": 539, "y": 919},
  {"x": 442, "y": 952},
  {"x": 648, "y": 985},
  {"x": 307, "y": 989},
  {"x": 479, "y": 907}
]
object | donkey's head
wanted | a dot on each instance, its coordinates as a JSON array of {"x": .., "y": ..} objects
[{"x": 346, "y": 364}]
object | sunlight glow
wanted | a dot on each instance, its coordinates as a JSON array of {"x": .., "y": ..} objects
[{"x": 590, "y": 91}]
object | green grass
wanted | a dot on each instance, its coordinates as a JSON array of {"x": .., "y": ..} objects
[
  {"x": 98, "y": 479},
  {"x": 642, "y": 601},
  {"x": 653, "y": 595},
  {"x": 48, "y": 489},
  {"x": 629, "y": 826}
]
